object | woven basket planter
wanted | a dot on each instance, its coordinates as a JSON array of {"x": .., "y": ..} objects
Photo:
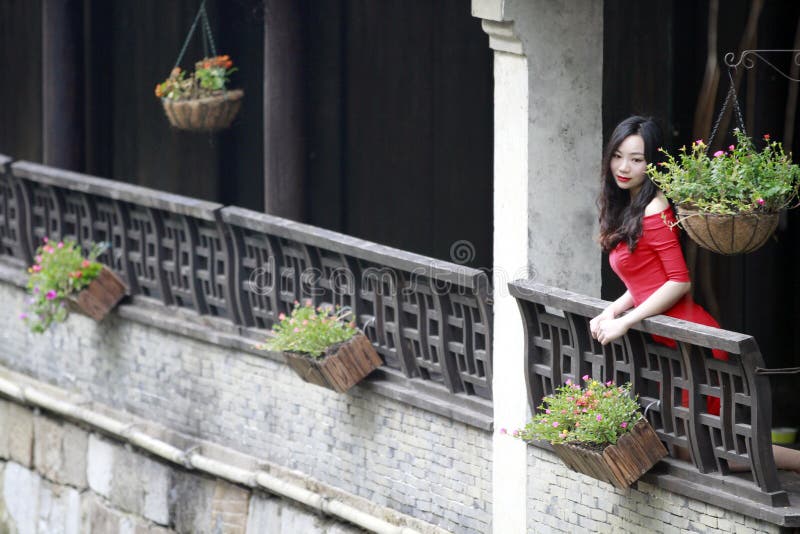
[
  {"x": 728, "y": 234},
  {"x": 620, "y": 464},
  {"x": 100, "y": 296},
  {"x": 341, "y": 368},
  {"x": 204, "y": 114}
]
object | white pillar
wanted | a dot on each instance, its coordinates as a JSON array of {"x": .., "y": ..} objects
[{"x": 547, "y": 150}]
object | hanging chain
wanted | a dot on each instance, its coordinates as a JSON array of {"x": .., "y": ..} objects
[
  {"x": 207, "y": 28},
  {"x": 731, "y": 95},
  {"x": 208, "y": 37}
]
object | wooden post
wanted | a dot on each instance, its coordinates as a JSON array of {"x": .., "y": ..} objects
[
  {"x": 284, "y": 139},
  {"x": 62, "y": 84}
]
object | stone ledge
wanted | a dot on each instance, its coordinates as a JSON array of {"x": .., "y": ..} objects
[{"x": 210, "y": 451}]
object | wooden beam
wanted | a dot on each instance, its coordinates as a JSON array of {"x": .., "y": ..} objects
[
  {"x": 62, "y": 84},
  {"x": 284, "y": 139}
]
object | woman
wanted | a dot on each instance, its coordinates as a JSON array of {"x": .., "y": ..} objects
[{"x": 637, "y": 229}]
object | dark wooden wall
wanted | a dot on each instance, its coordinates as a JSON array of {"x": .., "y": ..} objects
[
  {"x": 659, "y": 72},
  {"x": 127, "y": 48},
  {"x": 400, "y": 124},
  {"x": 21, "y": 87}
]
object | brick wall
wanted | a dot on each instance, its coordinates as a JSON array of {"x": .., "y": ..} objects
[
  {"x": 561, "y": 500},
  {"x": 397, "y": 456}
]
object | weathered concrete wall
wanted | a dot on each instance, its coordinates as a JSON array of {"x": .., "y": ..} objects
[
  {"x": 373, "y": 447},
  {"x": 560, "y": 500},
  {"x": 548, "y": 66},
  {"x": 58, "y": 478},
  {"x": 562, "y": 41}
]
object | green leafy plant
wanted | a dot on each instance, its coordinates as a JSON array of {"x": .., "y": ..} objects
[
  {"x": 740, "y": 179},
  {"x": 311, "y": 330},
  {"x": 210, "y": 78},
  {"x": 59, "y": 271},
  {"x": 596, "y": 414}
]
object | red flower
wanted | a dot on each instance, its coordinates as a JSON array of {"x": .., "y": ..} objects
[{"x": 766, "y": 137}]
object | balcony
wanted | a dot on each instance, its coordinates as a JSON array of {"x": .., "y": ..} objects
[{"x": 228, "y": 273}]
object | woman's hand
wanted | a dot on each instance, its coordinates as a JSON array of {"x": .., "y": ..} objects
[
  {"x": 611, "y": 329},
  {"x": 594, "y": 324}
]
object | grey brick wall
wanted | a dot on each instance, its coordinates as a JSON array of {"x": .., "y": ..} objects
[
  {"x": 395, "y": 455},
  {"x": 78, "y": 482},
  {"x": 561, "y": 500}
]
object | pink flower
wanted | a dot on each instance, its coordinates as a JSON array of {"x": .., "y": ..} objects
[
  {"x": 547, "y": 411},
  {"x": 51, "y": 294},
  {"x": 516, "y": 434},
  {"x": 761, "y": 201},
  {"x": 45, "y": 240},
  {"x": 609, "y": 383},
  {"x": 555, "y": 424},
  {"x": 23, "y": 316},
  {"x": 308, "y": 302},
  {"x": 599, "y": 417},
  {"x": 719, "y": 153},
  {"x": 731, "y": 148},
  {"x": 585, "y": 378},
  {"x": 85, "y": 263},
  {"x": 38, "y": 259},
  {"x": 36, "y": 268},
  {"x": 60, "y": 244},
  {"x": 569, "y": 381},
  {"x": 624, "y": 424},
  {"x": 699, "y": 142},
  {"x": 305, "y": 322},
  {"x": 585, "y": 410},
  {"x": 296, "y": 330},
  {"x": 503, "y": 431},
  {"x": 282, "y": 316}
]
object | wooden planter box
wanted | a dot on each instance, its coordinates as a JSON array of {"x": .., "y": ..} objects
[
  {"x": 101, "y": 295},
  {"x": 620, "y": 464},
  {"x": 341, "y": 368}
]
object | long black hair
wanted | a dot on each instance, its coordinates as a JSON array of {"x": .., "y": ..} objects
[{"x": 621, "y": 217}]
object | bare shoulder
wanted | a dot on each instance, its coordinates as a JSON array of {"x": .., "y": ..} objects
[{"x": 657, "y": 205}]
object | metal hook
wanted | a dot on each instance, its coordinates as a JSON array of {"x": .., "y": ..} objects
[
  {"x": 656, "y": 402},
  {"x": 748, "y": 62}
]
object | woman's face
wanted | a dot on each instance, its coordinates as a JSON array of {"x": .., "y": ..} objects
[{"x": 628, "y": 165}]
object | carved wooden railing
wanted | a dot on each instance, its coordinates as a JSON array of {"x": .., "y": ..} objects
[
  {"x": 733, "y": 448},
  {"x": 429, "y": 319}
]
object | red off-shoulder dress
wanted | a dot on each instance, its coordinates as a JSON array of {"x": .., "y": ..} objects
[{"x": 656, "y": 259}]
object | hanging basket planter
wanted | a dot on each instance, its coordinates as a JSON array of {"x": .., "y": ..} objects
[
  {"x": 729, "y": 200},
  {"x": 204, "y": 114},
  {"x": 200, "y": 101},
  {"x": 728, "y": 234}
]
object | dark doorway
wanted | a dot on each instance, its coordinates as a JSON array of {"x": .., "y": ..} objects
[
  {"x": 124, "y": 48},
  {"x": 658, "y": 70}
]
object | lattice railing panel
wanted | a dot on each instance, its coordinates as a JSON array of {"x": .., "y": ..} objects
[{"x": 679, "y": 384}]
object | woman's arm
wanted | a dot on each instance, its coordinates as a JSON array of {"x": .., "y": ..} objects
[
  {"x": 660, "y": 301},
  {"x": 624, "y": 303}
]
